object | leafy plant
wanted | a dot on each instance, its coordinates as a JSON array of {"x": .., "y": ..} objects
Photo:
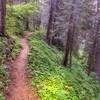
[
  {"x": 9, "y": 48},
  {"x": 17, "y": 17},
  {"x": 53, "y": 81},
  {"x": 4, "y": 79}
]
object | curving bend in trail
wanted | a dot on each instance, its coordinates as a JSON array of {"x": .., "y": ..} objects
[{"x": 20, "y": 88}]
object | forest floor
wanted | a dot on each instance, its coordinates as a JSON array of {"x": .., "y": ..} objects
[{"x": 20, "y": 86}]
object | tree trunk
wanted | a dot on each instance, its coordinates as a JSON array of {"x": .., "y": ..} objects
[
  {"x": 2, "y": 17},
  {"x": 50, "y": 22},
  {"x": 69, "y": 42}
]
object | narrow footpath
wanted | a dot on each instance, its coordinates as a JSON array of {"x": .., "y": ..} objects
[{"x": 20, "y": 88}]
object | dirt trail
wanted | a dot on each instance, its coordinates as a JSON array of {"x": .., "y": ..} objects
[{"x": 20, "y": 87}]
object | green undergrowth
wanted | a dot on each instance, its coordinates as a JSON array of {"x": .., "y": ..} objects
[
  {"x": 9, "y": 48},
  {"x": 4, "y": 79},
  {"x": 17, "y": 17},
  {"x": 53, "y": 81}
]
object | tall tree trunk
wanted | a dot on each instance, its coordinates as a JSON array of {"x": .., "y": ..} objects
[
  {"x": 69, "y": 42},
  {"x": 50, "y": 22},
  {"x": 2, "y": 17}
]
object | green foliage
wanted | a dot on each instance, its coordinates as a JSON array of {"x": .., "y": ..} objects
[
  {"x": 4, "y": 76},
  {"x": 16, "y": 47},
  {"x": 9, "y": 48},
  {"x": 4, "y": 79},
  {"x": 81, "y": 60},
  {"x": 17, "y": 17},
  {"x": 2, "y": 97},
  {"x": 2, "y": 57},
  {"x": 24, "y": 10},
  {"x": 53, "y": 81}
]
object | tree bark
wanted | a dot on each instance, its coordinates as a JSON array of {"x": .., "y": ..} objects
[
  {"x": 69, "y": 42},
  {"x": 51, "y": 19},
  {"x": 2, "y": 17}
]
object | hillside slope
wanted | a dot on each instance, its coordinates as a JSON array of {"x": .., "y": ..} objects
[{"x": 53, "y": 81}]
